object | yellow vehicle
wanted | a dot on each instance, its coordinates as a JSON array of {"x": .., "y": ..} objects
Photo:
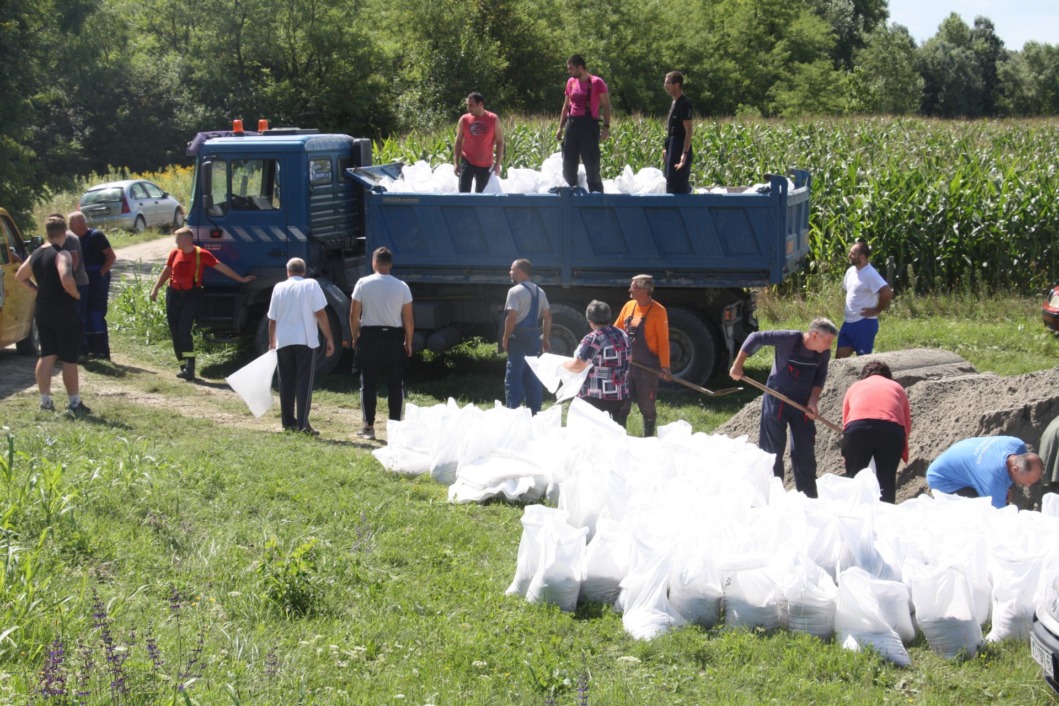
[{"x": 16, "y": 301}]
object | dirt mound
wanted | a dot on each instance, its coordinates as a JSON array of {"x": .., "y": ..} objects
[{"x": 950, "y": 401}]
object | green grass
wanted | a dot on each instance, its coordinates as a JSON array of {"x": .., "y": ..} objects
[{"x": 273, "y": 569}]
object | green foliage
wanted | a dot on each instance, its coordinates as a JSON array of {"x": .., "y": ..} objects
[
  {"x": 290, "y": 581},
  {"x": 885, "y": 79}
]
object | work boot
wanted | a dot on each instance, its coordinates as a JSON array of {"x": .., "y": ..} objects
[
  {"x": 187, "y": 370},
  {"x": 648, "y": 428}
]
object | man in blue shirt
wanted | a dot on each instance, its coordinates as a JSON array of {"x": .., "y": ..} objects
[
  {"x": 798, "y": 372},
  {"x": 985, "y": 466}
]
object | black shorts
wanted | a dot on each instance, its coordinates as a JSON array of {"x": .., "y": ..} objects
[{"x": 59, "y": 336}]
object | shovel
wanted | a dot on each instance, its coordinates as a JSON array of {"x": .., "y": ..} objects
[
  {"x": 788, "y": 400},
  {"x": 690, "y": 385}
]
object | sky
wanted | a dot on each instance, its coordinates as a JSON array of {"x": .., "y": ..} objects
[{"x": 1015, "y": 21}]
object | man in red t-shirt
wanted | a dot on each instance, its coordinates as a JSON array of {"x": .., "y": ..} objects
[
  {"x": 183, "y": 270},
  {"x": 478, "y": 135}
]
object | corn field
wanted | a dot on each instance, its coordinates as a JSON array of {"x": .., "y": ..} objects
[{"x": 956, "y": 205}]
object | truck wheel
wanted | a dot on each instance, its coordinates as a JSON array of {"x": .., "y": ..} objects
[
  {"x": 30, "y": 345},
  {"x": 692, "y": 346},
  {"x": 324, "y": 364},
  {"x": 568, "y": 328}
]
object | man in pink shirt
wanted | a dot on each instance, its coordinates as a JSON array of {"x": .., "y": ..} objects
[
  {"x": 586, "y": 99},
  {"x": 478, "y": 134},
  {"x": 876, "y": 423}
]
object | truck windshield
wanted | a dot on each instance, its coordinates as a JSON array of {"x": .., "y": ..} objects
[{"x": 245, "y": 185}]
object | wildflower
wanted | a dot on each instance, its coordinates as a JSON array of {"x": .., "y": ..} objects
[{"x": 52, "y": 678}]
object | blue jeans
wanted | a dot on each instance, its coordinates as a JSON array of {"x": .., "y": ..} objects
[{"x": 519, "y": 380}]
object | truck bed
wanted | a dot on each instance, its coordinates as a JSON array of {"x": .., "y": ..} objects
[{"x": 735, "y": 239}]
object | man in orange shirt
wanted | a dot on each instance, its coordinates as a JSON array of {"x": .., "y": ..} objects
[
  {"x": 647, "y": 324},
  {"x": 478, "y": 134}
]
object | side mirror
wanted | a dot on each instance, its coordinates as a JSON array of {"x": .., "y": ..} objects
[
  {"x": 33, "y": 243},
  {"x": 206, "y": 170}
]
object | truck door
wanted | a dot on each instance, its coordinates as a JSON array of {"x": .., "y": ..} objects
[{"x": 246, "y": 215}]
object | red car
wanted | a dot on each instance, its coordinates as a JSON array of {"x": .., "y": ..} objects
[{"x": 1050, "y": 311}]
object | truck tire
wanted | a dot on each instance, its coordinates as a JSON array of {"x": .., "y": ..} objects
[
  {"x": 30, "y": 345},
  {"x": 692, "y": 346},
  {"x": 324, "y": 364},
  {"x": 568, "y": 328}
]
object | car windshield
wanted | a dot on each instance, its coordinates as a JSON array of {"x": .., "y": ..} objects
[{"x": 101, "y": 196}]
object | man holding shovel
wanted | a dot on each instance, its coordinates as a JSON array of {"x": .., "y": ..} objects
[
  {"x": 798, "y": 373},
  {"x": 647, "y": 325}
]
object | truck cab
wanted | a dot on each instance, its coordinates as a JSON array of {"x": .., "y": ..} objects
[{"x": 261, "y": 198}]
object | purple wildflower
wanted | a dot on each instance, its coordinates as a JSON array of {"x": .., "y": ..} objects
[
  {"x": 582, "y": 688},
  {"x": 53, "y": 677},
  {"x": 271, "y": 664}
]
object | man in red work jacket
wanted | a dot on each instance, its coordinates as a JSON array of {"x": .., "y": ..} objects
[{"x": 183, "y": 270}]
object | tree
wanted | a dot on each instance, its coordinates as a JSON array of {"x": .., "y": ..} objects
[
  {"x": 37, "y": 127},
  {"x": 952, "y": 80},
  {"x": 884, "y": 78},
  {"x": 990, "y": 53},
  {"x": 1030, "y": 81}
]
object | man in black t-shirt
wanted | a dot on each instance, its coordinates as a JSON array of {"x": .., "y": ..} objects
[
  {"x": 49, "y": 272},
  {"x": 677, "y": 154}
]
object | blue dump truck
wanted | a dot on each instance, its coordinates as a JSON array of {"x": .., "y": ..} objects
[{"x": 261, "y": 198}]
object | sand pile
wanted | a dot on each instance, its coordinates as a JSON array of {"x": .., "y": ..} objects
[{"x": 950, "y": 401}]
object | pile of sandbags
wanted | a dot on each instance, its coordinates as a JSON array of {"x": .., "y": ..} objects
[
  {"x": 694, "y": 528},
  {"x": 421, "y": 178}
]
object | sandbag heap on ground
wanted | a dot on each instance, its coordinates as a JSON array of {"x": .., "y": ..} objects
[{"x": 693, "y": 528}]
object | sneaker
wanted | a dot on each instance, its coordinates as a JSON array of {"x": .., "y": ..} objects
[
  {"x": 185, "y": 375},
  {"x": 309, "y": 431},
  {"x": 48, "y": 406},
  {"x": 367, "y": 433},
  {"x": 78, "y": 410}
]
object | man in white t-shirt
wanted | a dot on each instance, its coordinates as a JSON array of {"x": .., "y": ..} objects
[
  {"x": 867, "y": 295},
  {"x": 381, "y": 327},
  {"x": 297, "y": 308}
]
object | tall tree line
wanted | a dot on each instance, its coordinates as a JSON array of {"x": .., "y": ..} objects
[{"x": 88, "y": 84}]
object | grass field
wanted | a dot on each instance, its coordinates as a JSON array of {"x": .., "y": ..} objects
[{"x": 154, "y": 557}]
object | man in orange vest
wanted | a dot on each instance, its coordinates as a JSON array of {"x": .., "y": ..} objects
[
  {"x": 183, "y": 270},
  {"x": 478, "y": 135}
]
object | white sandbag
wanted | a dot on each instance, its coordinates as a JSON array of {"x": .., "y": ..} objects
[
  {"x": 496, "y": 428},
  {"x": 857, "y": 529},
  {"x": 1050, "y": 504},
  {"x": 751, "y": 594},
  {"x": 493, "y": 185},
  {"x": 1014, "y": 576},
  {"x": 552, "y": 173},
  {"x": 859, "y": 620},
  {"x": 646, "y": 612},
  {"x": 253, "y": 382},
  {"x": 606, "y": 561},
  {"x": 450, "y": 428},
  {"x": 561, "y": 382},
  {"x": 496, "y": 477},
  {"x": 810, "y": 598},
  {"x": 534, "y": 519},
  {"x": 558, "y": 577},
  {"x": 944, "y": 603},
  {"x": 695, "y": 591},
  {"x": 649, "y": 180},
  {"x": 520, "y": 181}
]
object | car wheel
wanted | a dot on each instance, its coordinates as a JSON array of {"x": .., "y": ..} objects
[
  {"x": 139, "y": 225},
  {"x": 178, "y": 218},
  {"x": 30, "y": 345}
]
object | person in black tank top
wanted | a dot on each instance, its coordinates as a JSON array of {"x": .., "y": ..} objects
[{"x": 49, "y": 272}]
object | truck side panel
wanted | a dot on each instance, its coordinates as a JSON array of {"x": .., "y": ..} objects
[{"x": 710, "y": 240}]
